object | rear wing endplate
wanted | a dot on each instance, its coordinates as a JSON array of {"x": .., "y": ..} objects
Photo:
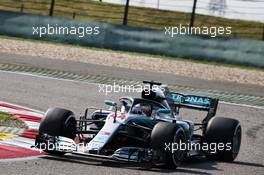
[{"x": 195, "y": 102}]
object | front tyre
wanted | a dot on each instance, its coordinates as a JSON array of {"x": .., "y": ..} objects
[
  {"x": 164, "y": 139},
  {"x": 58, "y": 122}
]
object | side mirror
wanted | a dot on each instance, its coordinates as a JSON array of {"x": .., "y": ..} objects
[
  {"x": 164, "y": 111},
  {"x": 110, "y": 103}
]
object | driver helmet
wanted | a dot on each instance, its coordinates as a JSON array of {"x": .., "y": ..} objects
[{"x": 142, "y": 109}]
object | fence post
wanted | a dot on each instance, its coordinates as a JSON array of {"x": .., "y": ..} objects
[
  {"x": 51, "y": 7},
  {"x": 22, "y": 8},
  {"x": 73, "y": 15},
  {"x": 193, "y": 13},
  {"x": 126, "y": 13}
]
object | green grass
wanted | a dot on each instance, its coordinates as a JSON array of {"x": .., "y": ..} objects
[
  {"x": 246, "y": 67},
  {"x": 138, "y": 16},
  {"x": 7, "y": 119}
]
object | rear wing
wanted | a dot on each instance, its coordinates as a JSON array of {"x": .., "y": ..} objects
[{"x": 195, "y": 102}]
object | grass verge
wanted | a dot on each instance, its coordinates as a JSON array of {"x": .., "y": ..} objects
[{"x": 9, "y": 120}]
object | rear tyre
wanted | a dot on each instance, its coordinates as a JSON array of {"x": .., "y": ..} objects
[
  {"x": 164, "y": 134},
  {"x": 225, "y": 131},
  {"x": 58, "y": 122}
]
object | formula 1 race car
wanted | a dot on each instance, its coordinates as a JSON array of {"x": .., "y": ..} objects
[{"x": 143, "y": 130}]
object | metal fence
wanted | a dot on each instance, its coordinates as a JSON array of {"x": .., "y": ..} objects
[{"x": 125, "y": 14}]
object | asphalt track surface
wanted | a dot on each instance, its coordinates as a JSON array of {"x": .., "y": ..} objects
[
  {"x": 129, "y": 74},
  {"x": 41, "y": 93}
]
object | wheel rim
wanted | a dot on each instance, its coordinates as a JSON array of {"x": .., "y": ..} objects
[
  {"x": 236, "y": 141},
  {"x": 178, "y": 155}
]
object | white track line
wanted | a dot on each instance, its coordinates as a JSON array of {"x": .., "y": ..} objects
[
  {"x": 32, "y": 125},
  {"x": 19, "y": 141},
  {"x": 243, "y": 105},
  {"x": 36, "y": 112}
]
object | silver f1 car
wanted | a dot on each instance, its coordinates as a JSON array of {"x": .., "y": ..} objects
[{"x": 143, "y": 130}]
